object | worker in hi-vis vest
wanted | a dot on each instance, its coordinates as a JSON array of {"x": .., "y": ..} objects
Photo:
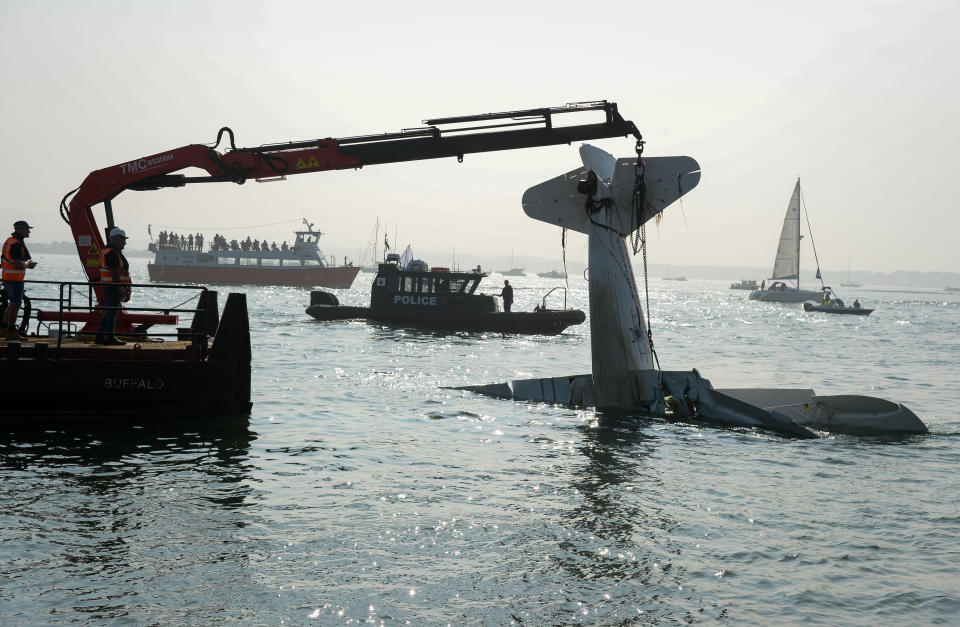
[
  {"x": 115, "y": 277},
  {"x": 16, "y": 262}
]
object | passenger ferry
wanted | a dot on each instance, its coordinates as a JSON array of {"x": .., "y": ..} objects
[
  {"x": 438, "y": 298},
  {"x": 300, "y": 265}
]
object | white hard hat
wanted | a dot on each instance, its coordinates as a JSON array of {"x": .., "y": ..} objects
[{"x": 118, "y": 232}]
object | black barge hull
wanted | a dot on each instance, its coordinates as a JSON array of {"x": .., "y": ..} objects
[
  {"x": 545, "y": 322},
  {"x": 139, "y": 382},
  {"x": 122, "y": 389}
]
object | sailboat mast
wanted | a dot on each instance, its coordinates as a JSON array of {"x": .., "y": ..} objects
[
  {"x": 798, "y": 232},
  {"x": 809, "y": 230}
]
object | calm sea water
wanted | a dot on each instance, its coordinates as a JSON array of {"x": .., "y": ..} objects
[{"x": 361, "y": 490}]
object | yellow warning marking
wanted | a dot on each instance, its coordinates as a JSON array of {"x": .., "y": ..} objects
[
  {"x": 303, "y": 165},
  {"x": 94, "y": 263},
  {"x": 93, "y": 250}
]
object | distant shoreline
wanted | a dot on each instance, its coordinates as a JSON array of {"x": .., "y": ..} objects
[{"x": 936, "y": 281}]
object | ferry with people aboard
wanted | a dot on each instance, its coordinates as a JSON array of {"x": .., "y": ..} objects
[
  {"x": 249, "y": 262},
  {"x": 415, "y": 295}
]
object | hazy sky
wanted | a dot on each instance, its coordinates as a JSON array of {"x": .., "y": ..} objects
[{"x": 859, "y": 99}]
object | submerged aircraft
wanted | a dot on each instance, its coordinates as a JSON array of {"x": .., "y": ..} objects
[{"x": 609, "y": 199}]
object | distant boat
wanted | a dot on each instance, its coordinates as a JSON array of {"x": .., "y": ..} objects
[
  {"x": 673, "y": 278},
  {"x": 553, "y": 274},
  {"x": 951, "y": 289},
  {"x": 832, "y": 304},
  {"x": 850, "y": 283},
  {"x": 512, "y": 271},
  {"x": 744, "y": 284},
  {"x": 850, "y": 311},
  {"x": 786, "y": 265},
  {"x": 371, "y": 245},
  {"x": 301, "y": 265}
]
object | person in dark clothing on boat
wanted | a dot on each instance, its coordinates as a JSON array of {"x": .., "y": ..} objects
[
  {"x": 763, "y": 285},
  {"x": 856, "y": 304},
  {"x": 507, "y": 295}
]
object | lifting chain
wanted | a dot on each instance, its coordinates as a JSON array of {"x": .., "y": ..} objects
[{"x": 638, "y": 201}]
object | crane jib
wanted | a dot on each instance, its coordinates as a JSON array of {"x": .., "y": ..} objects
[{"x": 440, "y": 138}]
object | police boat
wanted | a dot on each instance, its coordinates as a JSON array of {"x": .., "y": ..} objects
[{"x": 438, "y": 298}]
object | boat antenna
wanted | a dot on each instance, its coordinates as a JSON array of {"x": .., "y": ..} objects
[
  {"x": 806, "y": 214},
  {"x": 566, "y": 275}
]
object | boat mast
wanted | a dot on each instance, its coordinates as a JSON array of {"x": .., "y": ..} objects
[
  {"x": 799, "y": 237},
  {"x": 809, "y": 230}
]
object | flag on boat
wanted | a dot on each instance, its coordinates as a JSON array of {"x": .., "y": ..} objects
[
  {"x": 818, "y": 274},
  {"x": 406, "y": 257},
  {"x": 386, "y": 242}
]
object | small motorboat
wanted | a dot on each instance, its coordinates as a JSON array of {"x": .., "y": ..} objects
[
  {"x": 416, "y": 295},
  {"x": 831, "y": 304},
  {"x": 838, "y": 309}
]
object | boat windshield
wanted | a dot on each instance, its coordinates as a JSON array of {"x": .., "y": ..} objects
[
  {"x": 425, "y": 284},
  {"x": 306, "y": 237}
]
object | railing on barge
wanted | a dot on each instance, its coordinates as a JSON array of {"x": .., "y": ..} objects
[{"x": 76, "y": 303}]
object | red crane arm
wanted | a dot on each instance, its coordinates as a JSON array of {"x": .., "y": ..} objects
[
  {"x": 487, "y": 132},
  {"x": 101, "y": 186}
]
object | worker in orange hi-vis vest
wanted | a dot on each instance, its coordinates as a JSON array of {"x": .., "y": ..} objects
[
  {"x": 115, "y": 275},
  {"x": 16, "y": 262}
]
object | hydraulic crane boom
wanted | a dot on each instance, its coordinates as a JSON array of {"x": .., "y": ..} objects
[{"x": 440, "y": 137}]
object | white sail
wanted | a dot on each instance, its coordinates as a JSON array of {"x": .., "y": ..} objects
[{"x": 787, "y": 263}]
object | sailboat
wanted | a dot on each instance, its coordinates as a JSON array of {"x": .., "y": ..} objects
[
  {"x": 513, "y": 271},
  {"x": 850, "y": 283},
  {"x": 372, "y": 245},
  {"x": 786, "y": 266}
]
